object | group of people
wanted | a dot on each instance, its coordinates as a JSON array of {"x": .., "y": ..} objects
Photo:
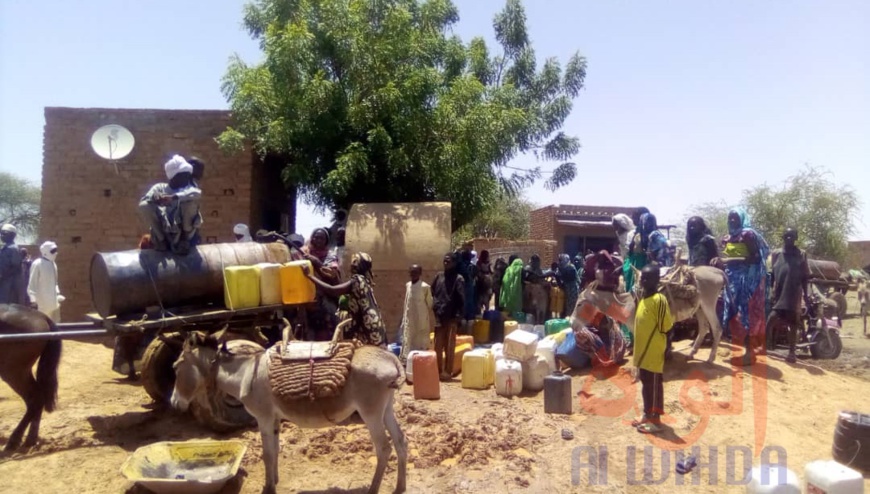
[{"x": 29, "y": 282}]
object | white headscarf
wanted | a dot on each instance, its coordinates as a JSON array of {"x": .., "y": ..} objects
[
  {"x": 46, "y": 249},
  {"x": 627, "y": 227},
  {"x": 177, "y": 165},
  {"x": 243, "y": 230}
]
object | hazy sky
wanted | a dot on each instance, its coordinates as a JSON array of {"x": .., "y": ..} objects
[{"x": 685, "y": 101}]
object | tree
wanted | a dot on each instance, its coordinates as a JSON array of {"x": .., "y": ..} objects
[
  {"x": 810, "y": 201},
  {"x": 19, "y": 204},
  {"x": 507, "y": 218},
  {"x": 375, "y": 101}
]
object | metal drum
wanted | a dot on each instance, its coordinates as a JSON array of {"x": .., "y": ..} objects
[{"x": 130, "y": 281}]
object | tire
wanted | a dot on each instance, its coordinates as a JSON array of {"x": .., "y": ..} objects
[
  {"x": 158, "y": 376},
  {"x": 842, "y": 305},
  {"x": 822, "y": 349},
  {"x": 221, "y": 412},
  {"x": 852, "y": 441}
]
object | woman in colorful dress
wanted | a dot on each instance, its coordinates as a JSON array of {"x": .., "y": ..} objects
[
  {"x": 322, "y": 320},
  {"x": 368, "y": 325},
  {"x": 744, "y": 252}
]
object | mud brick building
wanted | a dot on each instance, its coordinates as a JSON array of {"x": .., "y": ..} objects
[
  {"x": 88, "y": 206},
  {"x": 577, "y": 229}
]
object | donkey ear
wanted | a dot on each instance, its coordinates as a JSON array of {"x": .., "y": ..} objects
[{"x": 224, "y": 348}]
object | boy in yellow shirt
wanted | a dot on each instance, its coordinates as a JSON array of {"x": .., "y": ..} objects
[{"x": 652, "y": 323}]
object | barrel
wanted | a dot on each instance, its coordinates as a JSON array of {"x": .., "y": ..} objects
[
  {"x": 852, "y": 441},
  {"x": 824, "y": 270},
  {"x": 129, "y": 281}
]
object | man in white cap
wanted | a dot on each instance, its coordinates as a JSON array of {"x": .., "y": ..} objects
[
  {"x": 42, "y": 288},
  {"x": 242, "y": 233},
  {"x": 171, "y": 209},
  {"x": 10, "y": 266}
]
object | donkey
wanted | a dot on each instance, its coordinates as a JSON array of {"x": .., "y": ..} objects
[
  {"x": 709, "y": 281},
  {"x": 16, "y": 368},
  {"x": 241, "y": 369}
]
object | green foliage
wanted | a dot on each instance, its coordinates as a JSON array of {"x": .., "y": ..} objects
[
  {"x": 19, "y": 204},
  {"x": 375, "y": 101},
  {"x": 810, "y": 201},
  {"x": 507, "y": 217}
]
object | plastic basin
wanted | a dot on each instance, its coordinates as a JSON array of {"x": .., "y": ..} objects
[{"x": 195, "y": 467}]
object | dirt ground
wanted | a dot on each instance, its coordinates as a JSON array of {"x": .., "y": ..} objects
[{"x": 475, "y": 441}]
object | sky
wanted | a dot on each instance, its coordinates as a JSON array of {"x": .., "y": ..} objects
[{"x": 685, "y": 101}]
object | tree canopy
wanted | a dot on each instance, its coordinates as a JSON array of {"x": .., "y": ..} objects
[
  {"x": 19, "y": 204},
  {"x": 822, "y": 211},
  {"x": 376, "y": 101},
  {"x": 507, "y": 218}
]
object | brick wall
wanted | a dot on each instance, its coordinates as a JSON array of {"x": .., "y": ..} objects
[
  {"x": 498, "y": 247},
  {"x": 859, "y": 254},
  {"x": 542, "y": 222},
  {"x": 87, "y": 206}
]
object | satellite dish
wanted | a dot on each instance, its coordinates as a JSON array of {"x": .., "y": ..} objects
[{"x": 112, "y": 142}]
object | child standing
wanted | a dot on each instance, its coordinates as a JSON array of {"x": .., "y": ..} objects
[
  {"x": 449, "y": 292},
  {"x": 417, "y": 320},
  {"x": 652, "y": 323}
]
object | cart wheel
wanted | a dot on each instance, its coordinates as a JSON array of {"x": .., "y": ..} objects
[
  {"x": 221, "y": 412},
  {"x": 158, "y": 376}
]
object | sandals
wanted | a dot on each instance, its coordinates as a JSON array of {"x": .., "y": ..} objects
[{"x": 648, "y": 428}]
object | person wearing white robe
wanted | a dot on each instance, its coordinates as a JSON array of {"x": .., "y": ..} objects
[
  {"x": 42, "y": 287},
  {"x": 624, "y": 227},
  {"x": 418, "y": 320}
]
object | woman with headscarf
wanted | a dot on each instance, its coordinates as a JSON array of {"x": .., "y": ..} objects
[
  {"x": 648, "y": 245},
  {"x": 368, "y": 325},
  {"x": 744, "y": 252},
  {"x": 535, "y": 300},
  {"x": 322, "y": 320},
  {"x": 624, "y": 227},
  {"x": 702, "y": 245},
  {"x": 497, "y": 276},
  {"x": 570, "y": 284},
  {"x": 484, "y": 283},
  {"x": 242, "y": 233},
  {"x": 511, "y": 297}
]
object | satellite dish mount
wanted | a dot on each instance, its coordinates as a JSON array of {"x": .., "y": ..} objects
[{"x": 112, "y": 142}]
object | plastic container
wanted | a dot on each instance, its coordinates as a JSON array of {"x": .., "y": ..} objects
[
  {"x": 547, "y": 348},
  {"x": 190, "y": 467},
  {"x": 241, "y": 287},
  {"x": 464, "y": 339},
  {"x": 520, "y": 345},
  {"x": 557, "y": 300},
  {"x": 553, "y": 326},
  {"x": 530, "y": 319},
  {"x": 559, "y": 337},
  {"x": 409, "y": 367},
  {"x": 270, "y": 283},
  {"x": 496, "y": 324},
  {"x": 529, "y": 328},
  {"x": 458, "y": 354},
  {"x": 557, "y": 394},
  {"x": 828, "y": 477},
  {"x": 296, "y": 288},
  {"x": 508, "y": 378},
  {"x": 773, "y": 479},
  {"x": 395, "y": 348},
  {"x": 510, "y": 327},
  {"x": 569, "y": 354},
  {"x": 427, "y": 385},
  {"x": 477, "y": 369},
  {"x": 519, "y": 317},
  {"x": 480, "y": 331},
  {"x": 538, "y": 329},
  {"x": 534, "y": 372}
]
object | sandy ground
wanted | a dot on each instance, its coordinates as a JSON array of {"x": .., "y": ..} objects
[{"x": 475, "y": 441}]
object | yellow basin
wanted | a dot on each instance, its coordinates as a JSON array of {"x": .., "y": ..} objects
[{"x": 194, "y": 467}]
